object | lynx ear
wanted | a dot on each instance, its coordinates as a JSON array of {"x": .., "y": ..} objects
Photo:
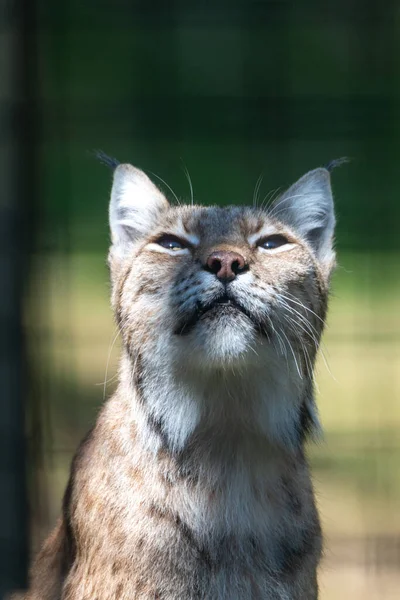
[
  {"x": 307, "y": 207},
  {"x": 135, "y": 206}
]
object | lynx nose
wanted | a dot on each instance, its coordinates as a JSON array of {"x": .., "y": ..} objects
[{"x": 225, "y": 265}]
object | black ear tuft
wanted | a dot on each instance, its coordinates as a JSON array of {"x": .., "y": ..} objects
[
  {"x": 108, "y": 161},
  {"x": 337, "y": 162}
]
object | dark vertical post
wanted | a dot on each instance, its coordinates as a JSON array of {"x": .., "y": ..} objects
[{"x": 16, "y": 166}]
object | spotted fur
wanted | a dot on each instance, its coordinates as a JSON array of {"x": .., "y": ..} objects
[{"x": 194, "y": 484}]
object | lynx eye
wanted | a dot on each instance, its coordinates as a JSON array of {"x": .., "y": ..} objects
[
  {"x": 171, "y": 242},
  {"x": 272, "y": 241}
]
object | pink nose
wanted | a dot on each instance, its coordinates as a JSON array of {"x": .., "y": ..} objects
[{"x": 225, "y": 265}]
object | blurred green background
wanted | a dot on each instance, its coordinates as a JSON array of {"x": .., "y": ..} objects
[{"x": 231, "y": 89}]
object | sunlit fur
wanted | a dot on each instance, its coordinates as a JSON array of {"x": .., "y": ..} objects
[{"x": 194, "y": 484}]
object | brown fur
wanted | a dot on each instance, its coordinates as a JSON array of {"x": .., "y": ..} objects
[{"x": 194, "y": 482}]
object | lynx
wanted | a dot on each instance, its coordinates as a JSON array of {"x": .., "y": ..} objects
[{"x": 194, "y": 483}]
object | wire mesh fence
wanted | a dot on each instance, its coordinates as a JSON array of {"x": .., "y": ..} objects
[{"x": 229, "y": 90}]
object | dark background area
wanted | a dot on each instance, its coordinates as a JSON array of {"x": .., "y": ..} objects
[{"x": 230, "y": 89}]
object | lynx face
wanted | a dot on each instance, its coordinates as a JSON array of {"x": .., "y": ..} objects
[{"x": 222, "y": 286}]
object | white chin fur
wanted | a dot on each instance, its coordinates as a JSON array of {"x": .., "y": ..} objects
[{"x": 222, "y": 341}]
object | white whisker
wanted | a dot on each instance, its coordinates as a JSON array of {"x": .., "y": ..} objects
[
  {"x": 107, "y": 381},
  {"x": 310, "y": 329},
  {"x": 257, "y": 189},
  {"x": 292, "y": 298},
  {"x": 310, "y": 332},
  {"x": 293, "y": 353},
  {"x": 281, "y": 344},
  {"x": 273, "y": 212},
  {"x": 166, "y": 185},
  {"x": 185, "y": 170},
  {"x": 108, "y": 362},
  {"x": 269, "y": 198}
]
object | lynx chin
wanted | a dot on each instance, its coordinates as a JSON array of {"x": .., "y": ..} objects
[{"x": 194, "y": 484}]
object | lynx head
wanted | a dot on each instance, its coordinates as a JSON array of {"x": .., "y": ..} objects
[
  {"x": 207, "y": 289},
  {"x": 220, "y": 282}
]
